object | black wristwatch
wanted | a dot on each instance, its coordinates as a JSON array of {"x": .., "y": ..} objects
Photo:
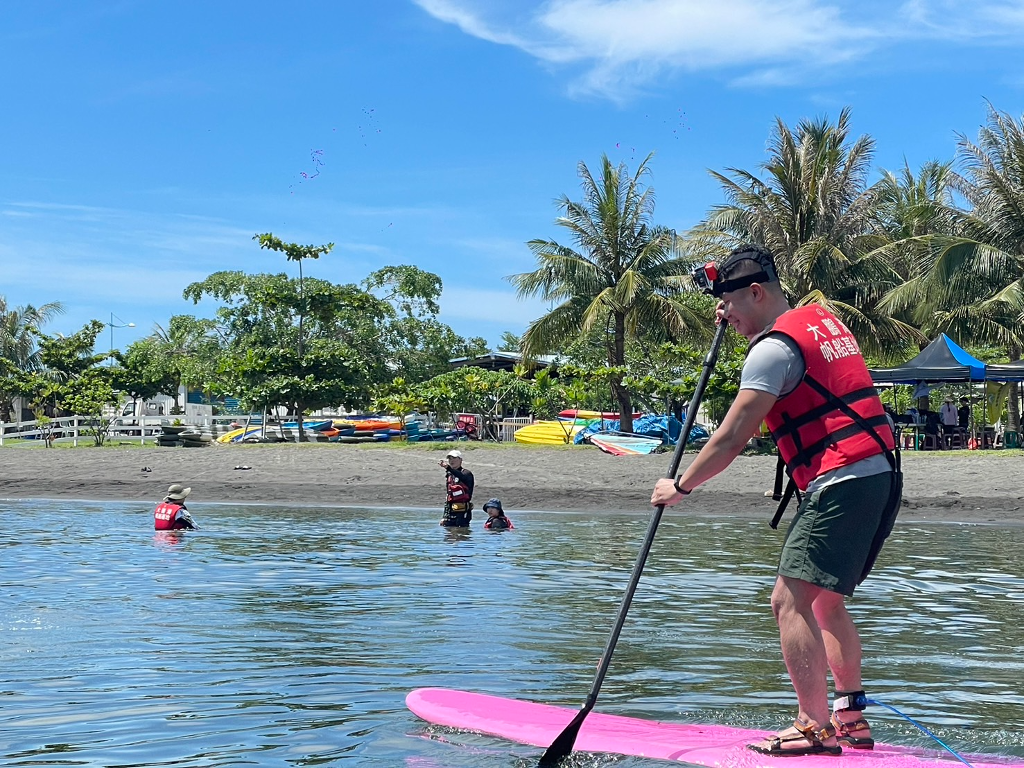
[{"x": 678, "y": 489}]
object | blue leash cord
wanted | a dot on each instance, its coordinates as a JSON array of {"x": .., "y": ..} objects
[{"x": 945, "y": 746}]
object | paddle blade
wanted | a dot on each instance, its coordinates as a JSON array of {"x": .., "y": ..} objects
[{"x": 563, "y": 743}]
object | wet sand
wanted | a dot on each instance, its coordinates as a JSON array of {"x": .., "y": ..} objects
[{"x": 946, "y": 487}]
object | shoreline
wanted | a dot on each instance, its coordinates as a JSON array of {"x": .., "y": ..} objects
[{"x": 963, "y": 487}]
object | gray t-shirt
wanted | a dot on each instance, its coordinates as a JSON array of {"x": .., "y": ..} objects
[{"x": 776, "y": 366}]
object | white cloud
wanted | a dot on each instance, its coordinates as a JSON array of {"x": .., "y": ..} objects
[{"x": 625, "y": 44}]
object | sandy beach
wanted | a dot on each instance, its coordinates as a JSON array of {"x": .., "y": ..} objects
[{"x": 960, "y": 486}]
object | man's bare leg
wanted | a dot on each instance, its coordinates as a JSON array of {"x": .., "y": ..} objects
[
  {"x": 803, "y": 650},
  {"x": 843, "y": 650}
]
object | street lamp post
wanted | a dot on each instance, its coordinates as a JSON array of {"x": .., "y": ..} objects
[{"x": 113, "y": 325}]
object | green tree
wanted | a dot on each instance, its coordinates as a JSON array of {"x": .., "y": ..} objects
[
  {"x": 261, "y": 362},
  {"x": 509, "y": 342},
  {"x": 476, "y": 390},
  {"x": 91, "y": 394},
  {"x": 72, "y": 379},
  {"x": 622, "y": 274},
  {"x": 416, "y": 343},
  {"x": 144, "y": 370},
  {"x": 297, "y": 253},
  {"x": 190, "y": 350}
]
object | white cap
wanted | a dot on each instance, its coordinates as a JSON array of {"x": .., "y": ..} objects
[{"x": 454, "y": 454}]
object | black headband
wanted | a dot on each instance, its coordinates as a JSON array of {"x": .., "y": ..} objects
[{"x": 725, "y": 286}]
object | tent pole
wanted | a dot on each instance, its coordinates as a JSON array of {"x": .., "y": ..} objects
[{"x": 984, "y": 412}]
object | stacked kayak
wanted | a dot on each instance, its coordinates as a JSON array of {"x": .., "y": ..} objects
[{"x": 549, "y": 432}]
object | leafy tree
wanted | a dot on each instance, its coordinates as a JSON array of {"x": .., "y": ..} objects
[
  {"x": 298, "y": 253},
  {"x": 418, "y": 346},
  {"x": 621, "y": 276},
  {"x": 509, "y": 342},
  {"x": 72, "y": 379},
  {"x": 476, "y": 390},
  {"x": 413, "y": 292},
  {"x": 91, "y": 395},
  {"x": 340, "y": 357},
  {"x": 398, "y": 399},
  {"x": 190, "y": 349},
  {"x": 145, "y": 370},
  {"x": 970, "y": 282}
]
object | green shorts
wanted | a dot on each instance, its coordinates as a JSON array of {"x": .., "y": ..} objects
[{"x": 830, "y": 539}]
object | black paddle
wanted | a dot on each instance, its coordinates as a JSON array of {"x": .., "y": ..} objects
[{"x": 563, "y": 743}]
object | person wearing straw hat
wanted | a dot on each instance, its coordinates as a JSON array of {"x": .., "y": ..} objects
[
  {"x": 458, "y": 505},
  {"x": 171, "y": 514},
  {"x": 805, "y": 376}
]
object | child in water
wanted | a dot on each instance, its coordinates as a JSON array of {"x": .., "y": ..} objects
[{"x": 496, "y": 520}]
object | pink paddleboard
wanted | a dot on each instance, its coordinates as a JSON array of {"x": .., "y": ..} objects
[{"x": 710, "y": 745}]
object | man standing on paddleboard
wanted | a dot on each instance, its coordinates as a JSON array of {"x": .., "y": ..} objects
[{"x": 805, "y": 376}]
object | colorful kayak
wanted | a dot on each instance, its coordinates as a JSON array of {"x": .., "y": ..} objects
[
  {"x": 625, "y": 445},
  {"x": 717, "y": 746},
  {"x": 573, "y": 413},
  {"x": 548, "y": 433}
]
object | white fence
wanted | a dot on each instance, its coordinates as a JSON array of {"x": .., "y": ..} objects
[
  {"x": 73, "y": 429},
  {"x": 507, "y": 428}
]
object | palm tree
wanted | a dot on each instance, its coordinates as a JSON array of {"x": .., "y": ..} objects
[
  {"x": 814, "y": 212},
  {"x": 970, "y": 283},
  {"x": 621, "y": 274},
  {"x": 18, "y": 347},
  {"x": 911, "y": 213}
]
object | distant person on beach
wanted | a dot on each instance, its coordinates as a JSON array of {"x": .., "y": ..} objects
[
  {"x": 805, "y": 375},
  {"x": 948, "y": 417},
  {"x": 496, "y": 520},
  {"x": 171, "y": 514},
  {"x": 963, "y": 414},
  {"x": 458, "y": 506}
]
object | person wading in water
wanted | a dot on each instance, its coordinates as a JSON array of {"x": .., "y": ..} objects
[
  {"x": 170, "y": 514},
  {"x": 458, "y": 506}
]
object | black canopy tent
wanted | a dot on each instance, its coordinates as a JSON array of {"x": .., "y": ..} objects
[
  {"x": 1005, "y": 371},
  {"x": 941, "y": 361}
]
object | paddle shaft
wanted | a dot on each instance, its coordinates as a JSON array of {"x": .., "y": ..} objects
[{"x": 563, "y": 744}]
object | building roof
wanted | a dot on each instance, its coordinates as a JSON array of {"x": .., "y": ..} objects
[{"x": 500, "y": 361}]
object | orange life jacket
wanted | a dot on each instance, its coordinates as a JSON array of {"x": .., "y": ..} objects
[{"x": 814, "y": 426}]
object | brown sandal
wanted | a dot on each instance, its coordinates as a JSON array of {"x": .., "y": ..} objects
[
  {"x": 853, "y": 742},
  {"x": 805, "y": 732}
]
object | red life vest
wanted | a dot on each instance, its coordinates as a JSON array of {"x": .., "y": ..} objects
[
  {"x": 506, "y": 523},
  {"x": 165, "y": 514},
  {"x": 458, "y": 494},
  {"x": 813, "y": 433}
]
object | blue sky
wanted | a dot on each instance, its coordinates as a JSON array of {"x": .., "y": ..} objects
[{"x": 145, "y": 143}]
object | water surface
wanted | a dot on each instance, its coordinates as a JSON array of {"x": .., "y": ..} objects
[{"x": 284, "y": 636}]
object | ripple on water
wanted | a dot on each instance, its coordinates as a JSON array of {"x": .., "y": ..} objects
[{"x": 292, "y": 637}]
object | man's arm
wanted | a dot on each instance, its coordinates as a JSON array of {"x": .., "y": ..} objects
[{"x": 743, "y": 420}]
